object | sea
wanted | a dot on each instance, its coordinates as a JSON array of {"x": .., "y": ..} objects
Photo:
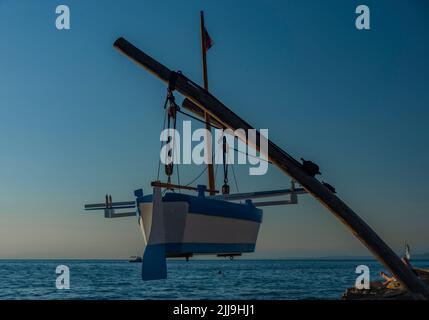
[{"x": 195, "y": 279}]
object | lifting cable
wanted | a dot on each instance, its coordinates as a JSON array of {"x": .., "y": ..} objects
[
  {"x": 162, "y": 143},
  {"x": 171, "y": 108},
  {"x": 235, "y": 178}
]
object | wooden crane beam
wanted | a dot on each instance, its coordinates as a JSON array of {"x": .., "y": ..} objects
[{"x": 287, "y": 164}]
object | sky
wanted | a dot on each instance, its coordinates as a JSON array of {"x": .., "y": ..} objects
[{"x": 79, "y": 120}]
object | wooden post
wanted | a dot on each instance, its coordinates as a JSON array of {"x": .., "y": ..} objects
[
  {"x": 288, "y": 165},
  {"x": 210, "y": 171}
]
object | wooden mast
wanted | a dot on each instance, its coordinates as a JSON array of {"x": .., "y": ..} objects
[
  {"x": 210, "y": 171},
  {"x": 288, "y": 165}
]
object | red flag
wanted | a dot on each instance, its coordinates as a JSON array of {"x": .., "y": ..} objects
[{"x": 209, "y": 42}]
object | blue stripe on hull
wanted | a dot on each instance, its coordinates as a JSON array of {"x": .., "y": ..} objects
[
  {"x": 217, "y": 208},
  {"x": 202, "y": 205}
]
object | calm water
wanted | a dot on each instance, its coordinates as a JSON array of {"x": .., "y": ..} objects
[{"x": 239, "y": 279}]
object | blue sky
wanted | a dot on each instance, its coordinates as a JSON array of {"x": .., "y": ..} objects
[{"x": 78, "y": 120}]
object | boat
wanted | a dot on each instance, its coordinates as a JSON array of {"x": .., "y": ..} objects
[{"x": 183, "y": 225}]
